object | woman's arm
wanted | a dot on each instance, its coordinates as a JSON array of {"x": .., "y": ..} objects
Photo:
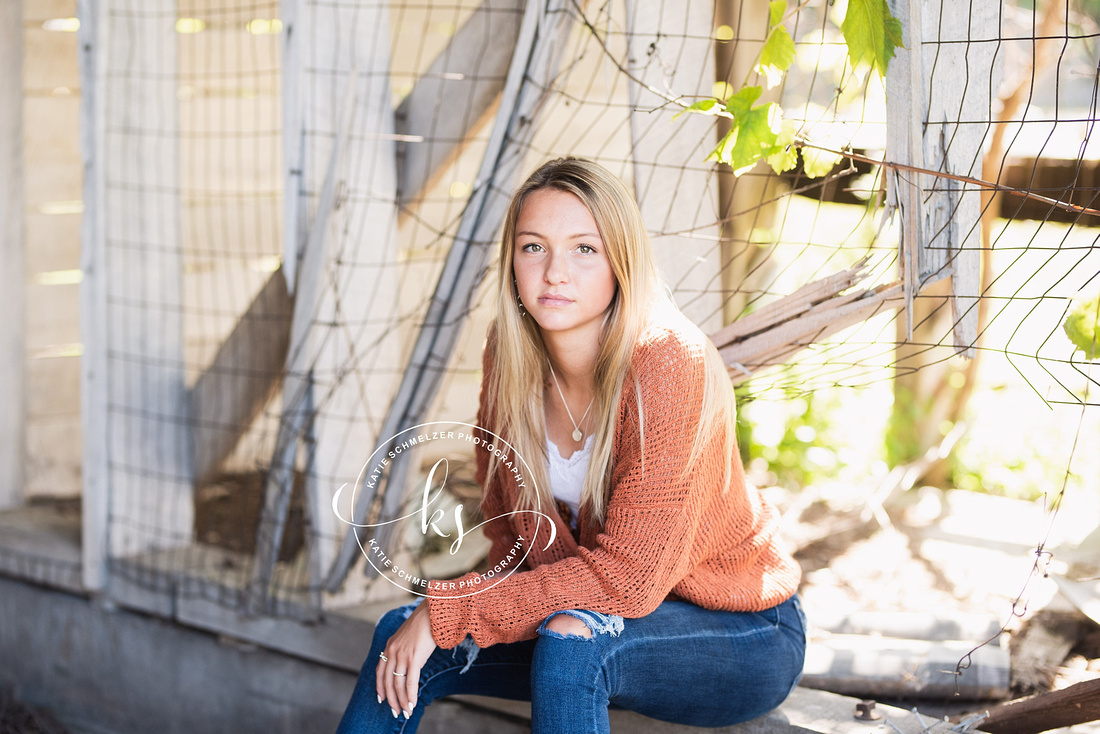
[{"x": 652, "y": 519}]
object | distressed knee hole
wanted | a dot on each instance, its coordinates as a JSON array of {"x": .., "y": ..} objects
[{"x": 568, "y": 626}]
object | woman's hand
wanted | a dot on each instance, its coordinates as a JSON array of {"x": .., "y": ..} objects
[{"x": 406, "y": 652}]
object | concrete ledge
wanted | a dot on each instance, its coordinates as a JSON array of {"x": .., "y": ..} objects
[{"x": 101, "y": 668}]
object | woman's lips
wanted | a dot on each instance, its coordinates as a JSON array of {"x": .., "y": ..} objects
[{"x": 554, "y": 301}]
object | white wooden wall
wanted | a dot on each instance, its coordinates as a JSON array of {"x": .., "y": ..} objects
[
  {"x": 12, "y": 255},
  {"x": 671, "y": 48},
  {"x": 138, "y": 460}
]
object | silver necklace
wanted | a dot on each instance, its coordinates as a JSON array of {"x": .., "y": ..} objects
[{"x": 577, "y": 433}]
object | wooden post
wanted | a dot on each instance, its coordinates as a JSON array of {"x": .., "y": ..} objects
[
  {"x": 94, "y": 399},
  {"x": 544, "y": 32},
  {"x": 135, "y": 252},
  {"x": 343, "y": 359},
  {"x": 743, "y": 268},
  {"x": 13, "y": 353},
  {"x": 938, "y": 91},
  {"x": 671, "y": 48}
]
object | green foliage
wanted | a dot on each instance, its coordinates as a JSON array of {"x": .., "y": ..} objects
[
  {"x": 778, "y": 52},
  {"x": 1080, "y": 326},
  {"x": 758, "y": 131},
  {"x": 801, "y": 456},
  {"x": 871, "y": 34}
]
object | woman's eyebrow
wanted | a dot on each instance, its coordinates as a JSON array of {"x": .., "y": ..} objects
[{"x": 572, "y": 237}]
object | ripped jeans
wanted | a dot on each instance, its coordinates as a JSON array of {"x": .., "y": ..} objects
[{"x": 680, "y": 663}]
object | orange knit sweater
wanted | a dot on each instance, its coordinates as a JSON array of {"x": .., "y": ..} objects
[{"x": 662, "y": 539}]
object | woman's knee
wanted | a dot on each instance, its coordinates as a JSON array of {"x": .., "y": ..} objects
[
  {"x": 566, "y": 625},
  {"x": 582, "y": 623}
]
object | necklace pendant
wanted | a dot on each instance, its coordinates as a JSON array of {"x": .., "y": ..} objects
[{"x": 577, "y": 435}]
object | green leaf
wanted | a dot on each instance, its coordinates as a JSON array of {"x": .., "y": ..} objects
[
  {"x": 786, "y": 156},
  {"x": 753, "y": 135},
  {"x": 703, "y": 107},
  {"x": 776, "y": 56},
  {"x": 740, "y": 103},
  {"x": 776, "y": 10},
  {"x": 817, "y": 163},
  {"x": 871, "y": 33},
  {"x": 1080, "y": 326}
]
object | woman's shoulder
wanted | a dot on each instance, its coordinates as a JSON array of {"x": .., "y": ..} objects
[{"x": 668, "y": 337}]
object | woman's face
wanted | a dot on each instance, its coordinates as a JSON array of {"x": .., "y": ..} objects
[{"x": 562, "y": 272}]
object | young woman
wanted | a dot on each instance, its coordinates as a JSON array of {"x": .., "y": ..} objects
[{"x": 653, "y": 579}]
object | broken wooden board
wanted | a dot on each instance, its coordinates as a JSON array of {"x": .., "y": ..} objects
[{"x": 1077, "y": 704}]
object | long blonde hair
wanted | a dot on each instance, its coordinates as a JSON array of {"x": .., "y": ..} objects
[{"x": 521, "y": 369}]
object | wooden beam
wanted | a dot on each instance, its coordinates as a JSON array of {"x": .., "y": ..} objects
[
  {"x": 94, "y": 390},
  {"x": 147, "y": 426},
  {"x": 1076, "y": 704},
  {"x": 233, "y": 390},
  {"x": 451, "y": 98},
  {"x": 673, "y": 184},
  {"x": 13, "y": 353},
  {"x": 544, "y": 33},
  {"x": 298, "y": 400}
]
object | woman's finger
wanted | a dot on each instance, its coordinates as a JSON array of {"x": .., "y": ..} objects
[
  {"x": 390, "y": 684},
  {"x": 412, "y": 684},
  {"x": 380, "y": 678},
  {"x": 402, "y": 684}
]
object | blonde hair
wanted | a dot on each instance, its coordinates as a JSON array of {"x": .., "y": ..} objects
[{"x": 520, "y": 365}]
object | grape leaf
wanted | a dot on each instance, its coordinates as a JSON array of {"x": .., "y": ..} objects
[
  {"x": 776, "y": 10},
  {"x": 740, "y": 103},
  {"x": 817, "y": 163},
  {"x": 871, "y": 33},
  {"x": 752, "y": 136},
  {"x": 1080, "y": 326},
  {"x": 703, "y": 107},
  {"x": 786, "y": 156},
  {"x": 776, "y": 56}
]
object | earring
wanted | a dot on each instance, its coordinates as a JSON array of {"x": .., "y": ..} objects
[{"x": 519, "y": 303}]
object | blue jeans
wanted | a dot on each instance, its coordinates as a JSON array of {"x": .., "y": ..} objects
[{"x": 680, "y": 663}]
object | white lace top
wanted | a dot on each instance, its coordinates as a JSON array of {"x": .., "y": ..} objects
[{"x": 567, "y": 475}]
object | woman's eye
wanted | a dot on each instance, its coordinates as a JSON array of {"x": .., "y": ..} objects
[
  {"x": 526, "y": 248},
  {"x": 585, "y": 249}
]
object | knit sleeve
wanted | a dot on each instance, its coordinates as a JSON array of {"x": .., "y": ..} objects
[{"x": 651, "y": 520}]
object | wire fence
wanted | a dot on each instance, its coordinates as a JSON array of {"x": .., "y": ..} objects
[{"x": 279, "y": 190}]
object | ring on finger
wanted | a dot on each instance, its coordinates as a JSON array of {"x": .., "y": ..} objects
[
  {"x": 383, "y": 656},
  {"x": 399, "y": 674}
]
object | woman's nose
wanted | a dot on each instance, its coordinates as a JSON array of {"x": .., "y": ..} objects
[{"x": 557, "y": 269}]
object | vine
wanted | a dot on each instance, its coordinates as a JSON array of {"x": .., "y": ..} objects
[{"x": 758, "y": 131}]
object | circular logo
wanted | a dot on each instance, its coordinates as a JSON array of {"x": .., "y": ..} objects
[{"x": 426, "y": 513}]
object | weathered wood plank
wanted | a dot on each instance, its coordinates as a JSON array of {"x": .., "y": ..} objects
[
  {"x": 670, "y": 45},
  {"x": 543, "y": 36},
  {"x": 905, "y": 113},
  {"x": 776, "y": 344},
  {"x": 13, "y": 255},
  {"x": 298, "y": 401},
  {"x": 95, "y": 472},
  {"x": 790, "y": 306},
  {"x": 149, "y": 438},
  {"x": 938, "y": 91},
  {"x": 232, "y": 391},
  {"x": 454, "y": 95},
  {"x": 1077, "y": 704}
]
